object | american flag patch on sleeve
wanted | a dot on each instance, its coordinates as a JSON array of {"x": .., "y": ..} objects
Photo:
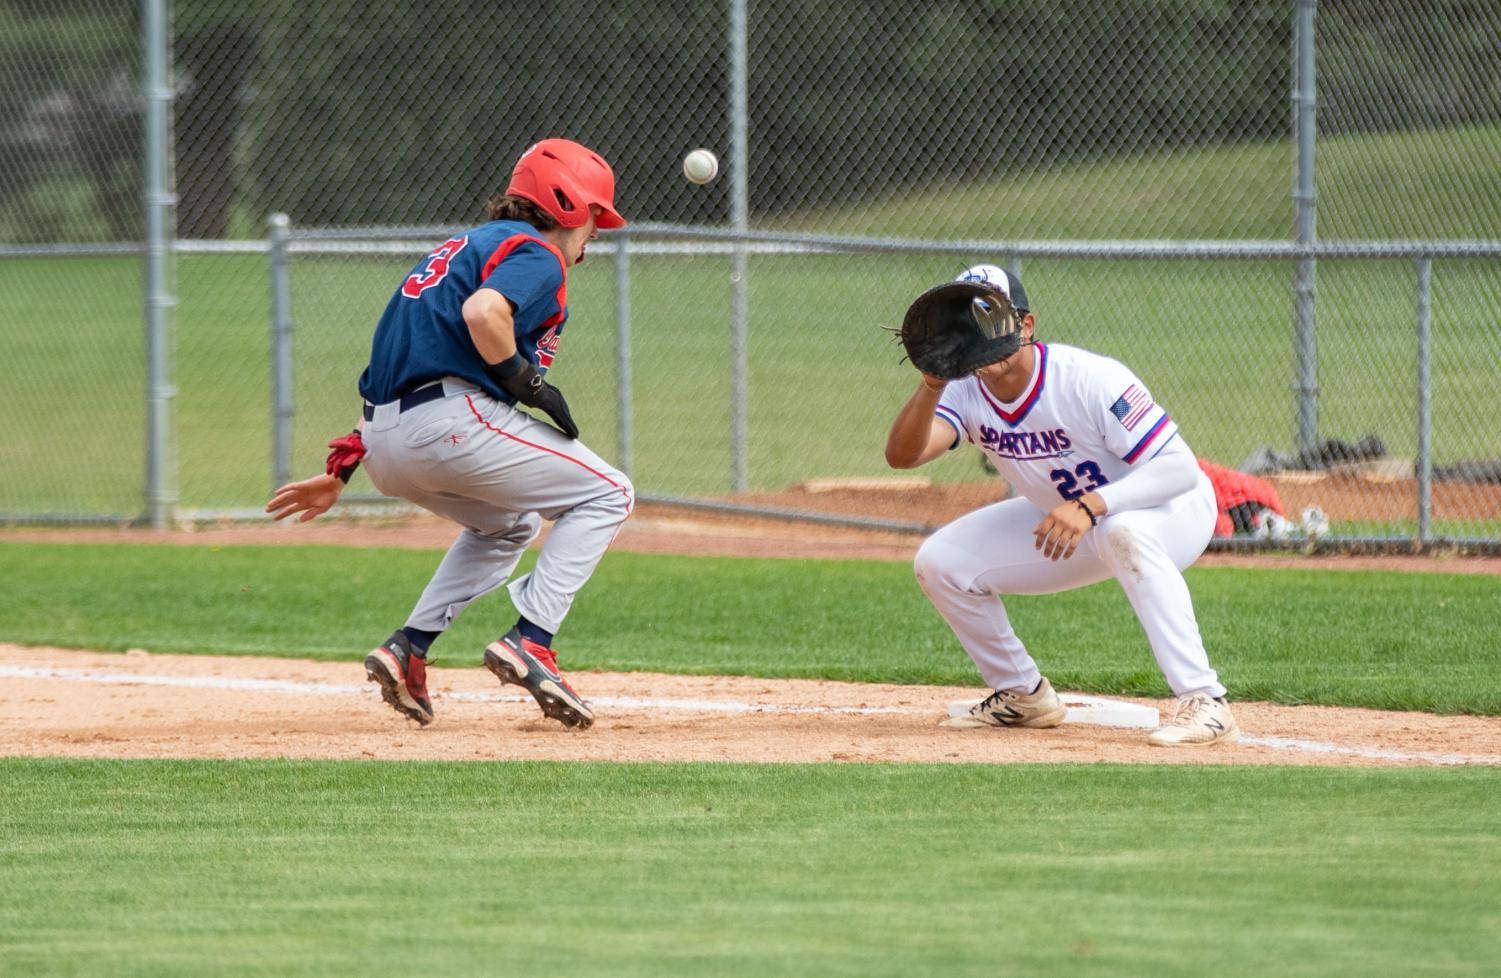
[{"x": 1132, "y": 406}]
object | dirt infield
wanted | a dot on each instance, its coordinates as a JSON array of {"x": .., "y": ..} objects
[{"x": 84, "y": 704}]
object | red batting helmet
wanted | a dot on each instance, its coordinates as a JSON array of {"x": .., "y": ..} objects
[{"x": 565, "y": 179}]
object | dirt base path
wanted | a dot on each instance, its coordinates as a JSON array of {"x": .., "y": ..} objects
[
  {"x": 86, "y": 704},
  {"x": 80, "y": 704}
]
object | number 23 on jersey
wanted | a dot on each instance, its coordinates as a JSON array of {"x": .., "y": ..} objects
[{"x": 1068, "y": 482}]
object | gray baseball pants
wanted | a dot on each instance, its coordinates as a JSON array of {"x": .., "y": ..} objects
[{"x": 497, "y": 472}]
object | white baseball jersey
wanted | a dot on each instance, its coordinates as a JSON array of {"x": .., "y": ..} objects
[{"x": 1083, "y": 421}]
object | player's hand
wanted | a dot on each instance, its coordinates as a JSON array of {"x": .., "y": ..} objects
[
  {"x": 550, "y": 399},
  {"x": 1060, "y": 531},
  {"x": 310, "y": 497},
  {"x": 524, "y": 382}
]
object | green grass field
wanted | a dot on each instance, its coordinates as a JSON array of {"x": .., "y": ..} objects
[
  {"x": 1212, "y": 340},
  {"x": 286, "y": 868},
  {"x": 292, "y": 869},
  {"x": 1375, "y": 639}
]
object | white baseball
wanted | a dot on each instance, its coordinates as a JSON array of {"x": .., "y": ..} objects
[{"x": 700, "y": 166}]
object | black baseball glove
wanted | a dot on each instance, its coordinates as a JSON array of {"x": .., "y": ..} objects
[
  {"x": 954, "y": 329},
  {"x": 525, "y": 383}
]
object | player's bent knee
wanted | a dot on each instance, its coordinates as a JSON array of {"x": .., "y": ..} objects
[
  {"x": 627, "y": 497},
  {"x": 618, "y": 501},
  {"x": 934, "y": 564},
  {"x": 922, "y": 562}
]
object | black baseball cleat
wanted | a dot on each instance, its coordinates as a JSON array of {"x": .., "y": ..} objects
[
  {"x": 402, "y": 675},
  {"x": 522, "y": 662}
]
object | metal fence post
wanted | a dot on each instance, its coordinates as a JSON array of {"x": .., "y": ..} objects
[
  {"x": 1425, "y": 399},
  {"x": 623, "y": 349},
  {"x": 283, "y": 400},
  {"x": 1305, "y": 100},
  {"x": 740, "y": 219},
  {"x": 158, "y": 200}
]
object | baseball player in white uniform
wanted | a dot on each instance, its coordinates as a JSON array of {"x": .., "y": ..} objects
[{"x": 1105, "y": 486}]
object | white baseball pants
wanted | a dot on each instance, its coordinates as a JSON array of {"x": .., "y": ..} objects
[
  {"x": 498, "y": 472},
  {"x": 965, "y": 566}
]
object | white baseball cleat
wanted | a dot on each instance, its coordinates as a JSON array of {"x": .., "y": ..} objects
[
  {"x": 1196, "y": 721},
  {"x": 1014, "y": 708}
]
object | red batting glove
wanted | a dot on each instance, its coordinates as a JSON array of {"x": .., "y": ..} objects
[{"x": 345, "y": 455}]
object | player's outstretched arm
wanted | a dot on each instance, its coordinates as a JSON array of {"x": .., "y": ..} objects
[
  {"x": 310, "y": 497},
  {"x": 316, "y": 496},
  {"x": 918, "y": 436}
]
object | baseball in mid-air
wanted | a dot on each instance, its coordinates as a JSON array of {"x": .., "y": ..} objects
[{"x": 700, "y": 166}]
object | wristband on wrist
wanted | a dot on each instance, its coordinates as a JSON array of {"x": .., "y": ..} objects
[
  {"x": 509, "y": 367},
  {"x": 517, "y": 375},
  {"x": 1093, "y": 519},
  {"x": 345, "y": 455}
]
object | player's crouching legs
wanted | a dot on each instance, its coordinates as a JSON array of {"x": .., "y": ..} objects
[
  {"x": 937, "y": 568},
  {"x": 1147, "y": 558}
]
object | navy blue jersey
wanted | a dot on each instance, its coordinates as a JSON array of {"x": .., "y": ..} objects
[{"x": 422, "y": 335}]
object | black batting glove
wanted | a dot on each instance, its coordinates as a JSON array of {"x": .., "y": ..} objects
[{"x": 525, "y": 383}]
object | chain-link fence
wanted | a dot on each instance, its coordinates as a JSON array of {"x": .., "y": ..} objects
[{"x": 744, "y": 365}]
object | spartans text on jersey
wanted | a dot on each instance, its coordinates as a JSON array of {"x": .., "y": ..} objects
[{"x": 1027, "y": 445}]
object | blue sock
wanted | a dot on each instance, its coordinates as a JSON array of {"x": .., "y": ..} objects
[
  {"x": 534, "y": 632},
  {"x": 421, "y": 641}
]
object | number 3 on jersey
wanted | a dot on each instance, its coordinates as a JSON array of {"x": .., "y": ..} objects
[
  {"x": 435, "y": 270},
  {"x": 1068, "y": 482}
]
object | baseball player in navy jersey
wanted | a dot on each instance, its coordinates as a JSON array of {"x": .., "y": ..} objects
[
  {"x": 1105, "y": 486},
  {"x": 465, "y": 344}
]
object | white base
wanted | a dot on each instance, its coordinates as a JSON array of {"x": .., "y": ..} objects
[{"x": 1092, "y": 710}]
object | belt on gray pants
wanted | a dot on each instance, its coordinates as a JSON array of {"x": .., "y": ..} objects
[{"x": 421, "y": 395}]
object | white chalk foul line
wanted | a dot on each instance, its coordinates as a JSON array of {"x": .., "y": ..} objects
[
  {"x": 329, "y": 689},
  {"x": 1377, "y": 753},
  {"x": 695, "y": 706}
]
